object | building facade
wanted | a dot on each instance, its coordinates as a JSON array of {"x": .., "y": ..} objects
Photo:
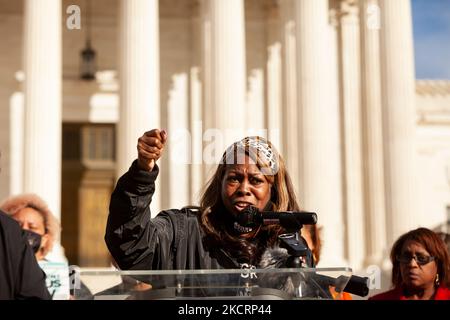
[{"x": 330, "y": 82}]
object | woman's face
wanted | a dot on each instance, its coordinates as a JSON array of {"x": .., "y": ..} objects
[
  {"x": 244, "y": 185},
  {"x": 416, "y": 274},
  {"x": 32, "y": 220}
]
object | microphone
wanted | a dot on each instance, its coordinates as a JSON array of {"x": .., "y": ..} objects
[
  {"x": 355, "y": 284},
  {"x": 252, "y": 217},
  {"x": 277, "y": 258}
]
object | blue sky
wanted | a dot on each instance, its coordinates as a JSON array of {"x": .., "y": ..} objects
[{"x": 431, "y": 21}]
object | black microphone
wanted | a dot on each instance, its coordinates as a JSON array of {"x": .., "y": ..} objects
[
  {"x": 278, "y": 258},
  {"x": 357, "y": 285},
  {"x": 354, "y": 285},
  {"x": 252, "y": 217}
]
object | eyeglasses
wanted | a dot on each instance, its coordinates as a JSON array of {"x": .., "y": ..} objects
[{"x": 421, "y": 260}]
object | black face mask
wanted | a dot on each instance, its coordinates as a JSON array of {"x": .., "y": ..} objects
[{"x": 34, "y": 240}]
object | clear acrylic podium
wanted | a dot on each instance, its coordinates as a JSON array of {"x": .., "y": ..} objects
[{"x": 224, "y": 284}]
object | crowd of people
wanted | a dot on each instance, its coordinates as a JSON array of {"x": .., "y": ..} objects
[{"x": 218, "y": 234}]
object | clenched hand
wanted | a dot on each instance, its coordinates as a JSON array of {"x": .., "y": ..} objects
[{"x": 150, "y": 147}]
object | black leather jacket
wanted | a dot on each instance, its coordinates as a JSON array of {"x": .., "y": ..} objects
[
  {"x": 20, "y": 275},
  {"x": 171, "y": 240}
]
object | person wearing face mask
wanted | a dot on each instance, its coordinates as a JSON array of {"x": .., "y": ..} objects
[
  {"x": 34, "y": 216},
  {"x": 20, "y": 275},
  {"x": 421, "y": 268},
  {"x": 40, "y": 226},
  {"x": 250, "y": 173}
]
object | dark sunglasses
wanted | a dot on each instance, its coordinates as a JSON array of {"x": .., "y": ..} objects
[{"x": 421, "y": 260}]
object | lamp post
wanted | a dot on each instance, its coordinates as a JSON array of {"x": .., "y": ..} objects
[
  {"x": 88, "y": 63},
  {"x": 88, "y": 66}
]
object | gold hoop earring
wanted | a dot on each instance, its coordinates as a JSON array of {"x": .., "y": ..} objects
[{"x": 437, "y": 280}]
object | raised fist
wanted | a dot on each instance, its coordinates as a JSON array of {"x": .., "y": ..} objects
[{"x": 150, "y": 147}]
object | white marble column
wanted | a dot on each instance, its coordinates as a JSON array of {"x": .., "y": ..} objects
[
  {"x": 290, "y": 129},
  {"x": 375, "y": 205},
  {"x": 351, "y": 106},
  {"x": 398, "y": 91},
  {"x": 16, "y": 142},
  {"x": 226, "y": 69},
  {"x": 179, "y": 148},
  {"x": 274, "y": 79},
  {"x": 196, "y": 101},
  {"x": 196, "y": 129},
  {"x": 318, "y": 127},
  {"x": 42, "y": 87},
  {"x": 139, "y": 79}
]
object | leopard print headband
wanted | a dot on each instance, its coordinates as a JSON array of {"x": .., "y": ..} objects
[{"x": 257, "y": 148}]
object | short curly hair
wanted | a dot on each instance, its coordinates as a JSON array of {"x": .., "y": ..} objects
[{"x": 15, "y": 204}]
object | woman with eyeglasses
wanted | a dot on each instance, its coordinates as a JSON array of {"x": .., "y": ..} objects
[{"x": 421, "y": 268}]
